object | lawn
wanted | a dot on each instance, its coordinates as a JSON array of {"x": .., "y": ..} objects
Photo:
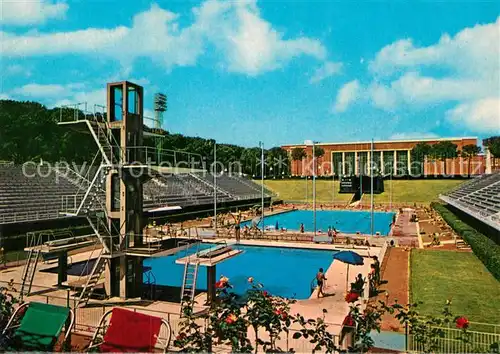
[
  {"x": 417, "y": 191},
  {"x": 440, "y": 275},
  {"x": 295, "y": 190}
]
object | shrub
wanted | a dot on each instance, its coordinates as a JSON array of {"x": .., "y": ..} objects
[{"x": 484, "y": 248}]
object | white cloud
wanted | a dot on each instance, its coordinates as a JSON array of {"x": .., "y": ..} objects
[
  {"x": 348, "y": 93},
  {"x": 481, "y": 115},
  {"x": 325, "y": 71},
  {"x": 4, "y": 96},
  {"x": 29, "y": 12},
  {"x": 413, "y": 89},
  {"x": 246, "y": 43},
  {"x": 382, "y": 96},
  {"x": 471, "y": 52},
  {"x": 462, "y": 69},
  {"x": 55, "y": 95},
  {"x": 16, "y": 70},
  {"x": 50, "y": 90},
  {"x": 413, "y": 135}
]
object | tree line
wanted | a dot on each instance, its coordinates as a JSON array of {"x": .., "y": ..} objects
[{"x": 29, "y": 132}]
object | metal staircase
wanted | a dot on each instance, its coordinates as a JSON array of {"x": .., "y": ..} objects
[
  {"x": 101, "y": 230},
  {"x": 29, "y": 271},
  {"x": 93, "y": 279},
  {"x": 34, "y": 242},
  {"x": 103, "y": 139}
]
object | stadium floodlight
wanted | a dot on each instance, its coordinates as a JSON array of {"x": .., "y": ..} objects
[
  {"x": 160, "y": 106},
  {"x": 160, "y": 102}
]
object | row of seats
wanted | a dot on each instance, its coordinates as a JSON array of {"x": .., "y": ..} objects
[
  {"x": 30, "y": 192},
  {"x": 481, "y": 195}
]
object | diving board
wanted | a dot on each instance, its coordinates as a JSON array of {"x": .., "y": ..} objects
[
  {"x": 64, "y": 244},
  {"x": 210, "y": 257}
]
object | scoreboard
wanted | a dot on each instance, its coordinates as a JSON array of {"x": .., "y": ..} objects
[
  {"x": 352, "y": 184},
  {"x": 349, "y": 184}
]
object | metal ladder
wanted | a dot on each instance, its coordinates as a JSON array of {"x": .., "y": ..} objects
[
  {"x": 189, "y": 283},
  {"x": 94, "y": 277},
  {"x": 29, "y": 270},
  {"x": 188, "y": 288}
]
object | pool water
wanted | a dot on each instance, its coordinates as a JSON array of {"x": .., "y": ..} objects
[
  {"x": 345, "y": 221},
  {"x": 286, "y": 272}
]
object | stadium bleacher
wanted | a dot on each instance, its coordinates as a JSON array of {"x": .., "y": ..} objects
[
  {"x": 479, "y": 197},
  {"x": 41, "y": 192},
  {"x": 32, "y": 195}
]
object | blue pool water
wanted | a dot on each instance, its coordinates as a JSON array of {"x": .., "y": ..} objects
[
  {"x": 285, "y": 272},
  {"x": 343, "y": 220}
]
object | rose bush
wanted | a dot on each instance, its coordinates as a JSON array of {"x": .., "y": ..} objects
[{"x": 231, "y": 318}]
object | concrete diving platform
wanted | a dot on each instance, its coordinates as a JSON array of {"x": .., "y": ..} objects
[
  {"x": 210, "y": 257},
  {"x": 64, "y": 244},
  {"x": 161, "y": 247}
]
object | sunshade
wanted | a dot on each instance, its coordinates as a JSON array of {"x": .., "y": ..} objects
[
  {"x": 130, "y": 331},
  {"x": 40, "y": 326},
  {"x": 348, "y": 257}
]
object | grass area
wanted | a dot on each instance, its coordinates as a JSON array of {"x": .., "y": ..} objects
[
  {"x": 417, "y": 191},
  {"x": 440, "y": 275},
  {"x": 296, "y": 190}
]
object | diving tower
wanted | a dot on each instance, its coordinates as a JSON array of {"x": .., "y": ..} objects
[{"x": 122, "y": 169}]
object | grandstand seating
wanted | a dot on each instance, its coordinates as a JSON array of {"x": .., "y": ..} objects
[
  {"x": 480, "y": 196},
  {"x": 31, "y": 198},
  {"x": 24, "y": 198}
]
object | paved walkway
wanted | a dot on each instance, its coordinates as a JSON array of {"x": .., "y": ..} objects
[{"x": 395, "y": 278}]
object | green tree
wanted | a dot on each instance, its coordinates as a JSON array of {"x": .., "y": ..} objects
[
  {"x": 277, "y": 158},
  {"x": 442, "y": 151},
  {"x": 493, "y": 145},
  {"x": 298, "y": 154},
  {"x": 318, "y": 151},
  {"x": 418, "y": 154},
  {"x": 469, "y": 151}
]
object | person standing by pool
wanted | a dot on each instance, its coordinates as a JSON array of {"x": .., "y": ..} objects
[
  {"x": 237, "y": 225},
  {"x": 301, "y": 228},
  {"x": 376, "y": 265},
  {"x": 320, "y": 279},
  {"x": 277, "y": 227}
]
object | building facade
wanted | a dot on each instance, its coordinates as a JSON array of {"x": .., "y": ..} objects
[{"x": 391, "y": 157}]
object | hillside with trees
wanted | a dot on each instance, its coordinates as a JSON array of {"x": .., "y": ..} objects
[{"x": 29, "y": 132}]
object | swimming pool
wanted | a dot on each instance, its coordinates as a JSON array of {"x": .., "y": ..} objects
[
  {"x": 283, "y": 271},
  {"x": 343, "y": 220}
]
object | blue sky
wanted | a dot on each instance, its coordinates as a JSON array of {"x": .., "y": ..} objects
[{"x": 277, "y": 71}]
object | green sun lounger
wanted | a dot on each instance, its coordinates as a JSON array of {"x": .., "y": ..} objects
[{"x": 39, "y": 328}]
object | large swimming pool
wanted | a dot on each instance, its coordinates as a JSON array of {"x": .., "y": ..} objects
[
  {"x": 343, "y": 220},
  {"x": 285, "y": 272}
]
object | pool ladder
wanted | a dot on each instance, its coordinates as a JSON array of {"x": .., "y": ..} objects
[
  {"x": 312, "y": 285},
  {"x": 189, "y": 283}
]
